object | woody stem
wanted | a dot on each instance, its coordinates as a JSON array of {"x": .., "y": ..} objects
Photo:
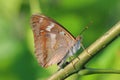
[{"x": 89, "y": 71}]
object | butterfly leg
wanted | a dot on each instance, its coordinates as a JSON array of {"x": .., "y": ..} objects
[
  {"x": 85, "y": 49},
  {"x": 63, "y": 63},
  {"x": 71, "y": 58},
  {"x": 60, "y": 64}
]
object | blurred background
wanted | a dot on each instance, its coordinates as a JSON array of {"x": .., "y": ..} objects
[{"x": 17, "y": 60}]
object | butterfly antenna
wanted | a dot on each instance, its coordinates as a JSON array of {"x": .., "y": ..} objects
[
  {"x": 83, "y": 30},
  {"x": 81, "y": 42},
  {"x": 86, "y": 27}
]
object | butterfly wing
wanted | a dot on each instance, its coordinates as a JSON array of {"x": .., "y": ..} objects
[{"x": 52, "y": 41}]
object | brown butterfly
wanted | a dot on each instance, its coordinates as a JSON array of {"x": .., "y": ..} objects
[{"x": 53, "y": 43}]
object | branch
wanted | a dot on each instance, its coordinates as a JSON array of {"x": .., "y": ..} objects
[
  {"x": 98, "y": 71},
  {"x": 35, "y": 6},
  {"x": 87, "y": 54}
]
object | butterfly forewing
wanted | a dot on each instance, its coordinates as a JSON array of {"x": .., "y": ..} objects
[{"x": 52, "y": 41}]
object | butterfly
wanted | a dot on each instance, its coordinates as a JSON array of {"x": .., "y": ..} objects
[{"x": 53, "y": 43}]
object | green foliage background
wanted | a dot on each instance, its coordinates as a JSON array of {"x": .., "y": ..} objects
[{"x": 17, "y": 60}]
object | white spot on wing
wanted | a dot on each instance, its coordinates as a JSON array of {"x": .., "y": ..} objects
[
  {"x": 41, "y": 30},
  {"x": 41, "y": 19},
  {"x": 62, "y": 32},
  {"x": 49, "y": 27},
  {"x": 53, "y": 39}
]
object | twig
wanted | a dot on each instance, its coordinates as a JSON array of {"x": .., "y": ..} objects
[
  {"x": 35, "y": 6},
  {"x": 98, "y": 71}
]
